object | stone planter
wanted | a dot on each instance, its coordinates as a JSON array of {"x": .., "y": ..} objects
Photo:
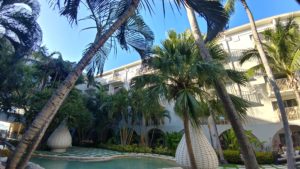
[
  {"x": 205, "y": 155},
  {"x": 60, "y": 139}
]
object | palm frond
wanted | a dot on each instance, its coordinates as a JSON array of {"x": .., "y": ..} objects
[
  {"x": 214, "y": 14},
  {"x": 229, "y": 6},
  {"x": 136, "y": 34},
  {"x": 20, "y": 25},
  {"x": 249, "y": 55},
  {"x": 237, "y": 76}
]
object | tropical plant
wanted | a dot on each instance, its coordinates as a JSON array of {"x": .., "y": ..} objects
[
  {"x": 52, "y": 69},
  {"x": 17, "y": 80},
  {"x": 115, "y": 16},
  {"x": 232, "y": 113},
  {"x": 283, "y": 53},
  {"x": 110, "y": 17},
  {"x": 18, "y": 18},
  {"x": 179, "y": 75},
  {"x": 73, "y": 110},
  {"x": 172, "y": 140},
  {"x": 230, "y": 141},
  {"x": 270, "y": 77}
]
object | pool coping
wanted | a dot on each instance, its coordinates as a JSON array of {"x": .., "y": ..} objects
[{"x": 104, "y": 158}]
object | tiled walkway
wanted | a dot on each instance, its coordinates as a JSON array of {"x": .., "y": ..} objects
[
  {"x": 262, "y": 167},
  {"x": 83, "y": 152}
]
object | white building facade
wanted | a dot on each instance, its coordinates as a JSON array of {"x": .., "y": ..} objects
[{"x": 263, "y": 118}]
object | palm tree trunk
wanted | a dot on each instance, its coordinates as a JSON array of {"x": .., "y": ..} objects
[
  {"x": 189, "y": 141},
  {"x": 46, "y": 115},
  {"x": 246, "y": 148},
  {"x": 271, "y": 79},
  {"x": 216, "y": 138},
  {"x": 31, "y": 148}
]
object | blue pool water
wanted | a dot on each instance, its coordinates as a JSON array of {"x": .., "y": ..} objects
[{"x": 122, "y": 163}]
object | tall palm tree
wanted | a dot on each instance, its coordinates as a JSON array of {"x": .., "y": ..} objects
[
  {"x": 19, "y": 20},
  {"x": 214, "y": 104},
  {"x": 270, "y": 77},
  {"x": 117, "y": 17},
  {"x": 283, "y": 52},
  {"x": 125, "y": 9},
  {"x": 179, "y": 75},
  {"x": 246, "y": 148}
]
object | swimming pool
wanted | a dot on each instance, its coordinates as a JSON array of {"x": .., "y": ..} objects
[{"x": 120, "y": 163}]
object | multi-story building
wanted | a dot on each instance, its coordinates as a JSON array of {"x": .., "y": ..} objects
[{"x": 263, "y": 118}]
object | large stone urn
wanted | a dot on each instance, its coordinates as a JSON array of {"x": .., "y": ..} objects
[
  {"x": 205, "y": 155},
  {"x": 60, "y": 139}
]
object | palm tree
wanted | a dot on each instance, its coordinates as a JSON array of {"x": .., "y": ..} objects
[
  {"x": 149, "y": 111},
  {"x": 177, "y": 74},
  {"x": 214, "y": 104},
  {"x": 125, "y": 9},
  {"x": 270, "y": 77},
  {"x": 119, "y": 17},
  {"x": 283, "y": 52},
  {"x": 19, "y": 20},
  {"x": 232, "y": 114}
]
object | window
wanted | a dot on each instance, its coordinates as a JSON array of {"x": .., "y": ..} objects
[
  {"x": 261, "y": 36},
  {"x": 287, "y": 103}
]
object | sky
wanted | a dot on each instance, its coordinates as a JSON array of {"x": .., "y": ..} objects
[{"x": 72, "y": 40}]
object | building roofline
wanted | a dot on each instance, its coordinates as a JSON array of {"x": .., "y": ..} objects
[
  {"x": 261, "y": 22},
  {"x": 129, "y": 65},
  {"x": 227, "y": 32}
]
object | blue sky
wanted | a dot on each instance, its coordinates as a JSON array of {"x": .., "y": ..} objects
[{"x": 70, "y": 40}]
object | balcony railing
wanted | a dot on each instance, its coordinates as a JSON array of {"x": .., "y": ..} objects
[
  {"x": 291, "y": 112},
  {"x": 283, "y": 84},
  {"x": 115, "y": 77},
  {"x": 235, "y": 54},
  {"x": 250, "y": 97}
]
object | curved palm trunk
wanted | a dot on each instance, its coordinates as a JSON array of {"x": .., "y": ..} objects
[
  {"x": 246, "y": 148},
  {"x": 189, "y": 141},
  {"x": 271, "y": 79},
  {"x": 216, "y": 139},
  {"x": 44, "y": 118}
]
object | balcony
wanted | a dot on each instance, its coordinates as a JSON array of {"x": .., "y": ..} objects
[
  {"x": 292, "y": 113},
  {"x": 252, "y": 98},
  {"x": 235, "y": 55},
  {"x": 115, "y": 78},
  {"x": 284, "y": 86}
]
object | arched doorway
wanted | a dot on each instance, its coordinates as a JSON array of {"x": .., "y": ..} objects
[
  {"x": 228, "y": 140},
  {"x": 156, "y": 137},
  {"x": 278, "y": 138}
]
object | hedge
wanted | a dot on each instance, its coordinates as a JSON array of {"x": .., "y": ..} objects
[
  {"x": 234, "y": 157},
  {"x": 138, "y": 149}
]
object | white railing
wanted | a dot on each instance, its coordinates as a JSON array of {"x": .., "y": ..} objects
[
  {"x": 283, "y": 84},
  {"x": 250, "y": 97},
  {"x": 115, "y": 77},
  {"x": 291, "y": 112}
]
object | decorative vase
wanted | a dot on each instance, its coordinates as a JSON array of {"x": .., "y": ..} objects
[
  {"x": 205, "y": 155},
  {"x": 60, "y": 139}
]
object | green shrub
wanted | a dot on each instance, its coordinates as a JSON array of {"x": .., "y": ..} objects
[
  {"x": 265, "y": 157},
  {"x": 234, "y": 157},
  {"x": 4, "y": 153},
  {"x": 172, "y": 140},
  {"x": 127, "y": 148},
  {"x": 163, "y": 150},
  {"x": 297, "y": 148}
]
